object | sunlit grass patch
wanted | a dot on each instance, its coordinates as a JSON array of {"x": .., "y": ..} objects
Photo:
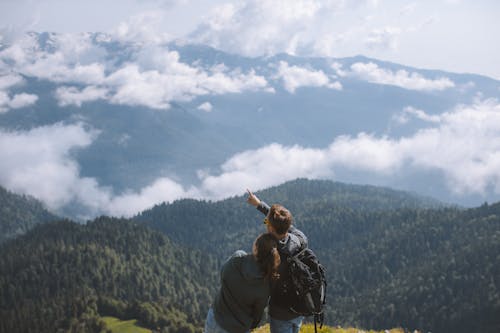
[
  {"x": 309, "y": 328},
  {"x": 123, "y": 326}
]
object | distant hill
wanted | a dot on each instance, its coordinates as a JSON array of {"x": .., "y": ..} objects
[
  {"x": 178, "y": 110},
  {"x": 65, "y": 276},
  {"x": 393, "y": 259},
  {"x": 190, "y": 220},
  {"x": 19, "y": 213}
]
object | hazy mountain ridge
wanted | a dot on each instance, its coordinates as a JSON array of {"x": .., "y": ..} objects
[
  {"x": 208, "y": 105},
  {"x": 241, "y": 222}
]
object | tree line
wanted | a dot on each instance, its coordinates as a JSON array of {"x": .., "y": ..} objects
[
  {"x": 63, "y": 276},
  {"x": 392, "y": 260}
]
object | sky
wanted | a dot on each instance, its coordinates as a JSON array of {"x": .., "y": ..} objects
[
  {"x": 453, "y": 35},
  {"x": 461, "y": 143}
]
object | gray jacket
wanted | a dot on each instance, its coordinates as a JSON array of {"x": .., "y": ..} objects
[
  {"x": 288, "y": 246},
  {"x": 243, "y": 295}
]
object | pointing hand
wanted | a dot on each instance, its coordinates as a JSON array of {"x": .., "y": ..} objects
[{"x": 252, "y": 199}]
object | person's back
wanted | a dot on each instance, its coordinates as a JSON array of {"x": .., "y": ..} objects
[
  {"x": 279, "y": 307},
  {"x": 244, "y": 294},
  {"x": 245, "y": 288}
]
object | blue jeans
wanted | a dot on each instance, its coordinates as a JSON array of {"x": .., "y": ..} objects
[
  {"x": 286, "y": 326},
  {"x": 211, "y": 325}
]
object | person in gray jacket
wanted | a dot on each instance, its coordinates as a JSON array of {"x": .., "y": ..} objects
[
  {"x": 291, "y": 240},
  {"x": 245, "y": 288}
]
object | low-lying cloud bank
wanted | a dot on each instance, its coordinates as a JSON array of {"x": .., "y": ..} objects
[
  {"x": 462, "y": 144},
  {"x": 10, "y": 101},
  {"x": 295, "y": 77},
  {"x": 151, "y": 75},
  {"x": 408, "y": 80}
]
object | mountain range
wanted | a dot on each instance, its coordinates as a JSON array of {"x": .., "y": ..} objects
[
  {"x": 393, "y": 259},
  {"x": 92, "y": 125}
]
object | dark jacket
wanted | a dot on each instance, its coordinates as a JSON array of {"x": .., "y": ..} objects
[
  {"x": 243, "y": 295},
  {"x": 288, "y": 246}
]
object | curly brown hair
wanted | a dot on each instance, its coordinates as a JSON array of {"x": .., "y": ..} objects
[
  {"x": 280, "y": 218},
  {"x": 267, "y": 256}
]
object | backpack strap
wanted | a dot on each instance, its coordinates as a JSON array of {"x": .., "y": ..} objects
[
  {"x": 319, "y": 318},
  {"x": 303, "y": 244}
]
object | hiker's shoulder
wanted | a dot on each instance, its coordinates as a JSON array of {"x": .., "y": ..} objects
[{"x": 298, "y": 236}]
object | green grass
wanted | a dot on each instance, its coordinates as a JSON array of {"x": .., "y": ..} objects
[
  {"x": 130, "y": 326},
  {"x": 119, "y": 326},
  {"x": 309, "y": 328}
]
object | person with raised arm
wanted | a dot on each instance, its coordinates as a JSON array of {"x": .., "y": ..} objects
[{"x": 279, "y": 222}]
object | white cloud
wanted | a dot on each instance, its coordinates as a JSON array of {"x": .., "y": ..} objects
[
  {"x": 4, "y": 101},
  {"x": 71, "y": 58},
  {"x": 408, "y": 9},
  {"x": 295, "y": 77},
  {"x": 463, "y": 145},
  {"x": 300, "y": 27},
  {"x": 265, "y": 167},
  {"x": 133, "y": 86},
  {"x": 207, "y": 107},
  {"x": 74, "y": 96},
  {"x": 10, "y": 80},
  {"x": 53, "y": 67},
  {"x": 142, "y": 28},
  {"x": 258, "y": 27},
  {"x": 38, "y": 162},
  {"x": 22, "y": 100},
  {"x": 413, "y": 81},
  {"x": 16, "y": 102},
  {"x": 410, "y": 111},
  {"x": 222, "y": 82},
  {"x": 163, "y": 189},
  {"x": 151, "y": 75},
  {"x": 177, "y": 81},
  {"x": 385, "y": 38}
]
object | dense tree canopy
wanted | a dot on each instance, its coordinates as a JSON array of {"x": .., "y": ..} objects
[
  {"x": 20, "y": 213},
  {"x": 63, "y": 275},
  {"x": 393, "y": 260}
]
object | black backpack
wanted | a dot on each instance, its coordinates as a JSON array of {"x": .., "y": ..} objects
[{"x": 305, "y": 289}]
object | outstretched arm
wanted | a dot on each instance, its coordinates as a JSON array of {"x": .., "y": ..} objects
[
  {"x": 252, "y": 199},
  {"x": 257, "y": 203}
]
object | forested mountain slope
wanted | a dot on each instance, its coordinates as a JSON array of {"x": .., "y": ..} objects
[
  {"x": 19, "y": 213},
  {"x": 221, "y": 226},
  {"x": 63, "y": 276},
  {"x": 392, "y": 260}
]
